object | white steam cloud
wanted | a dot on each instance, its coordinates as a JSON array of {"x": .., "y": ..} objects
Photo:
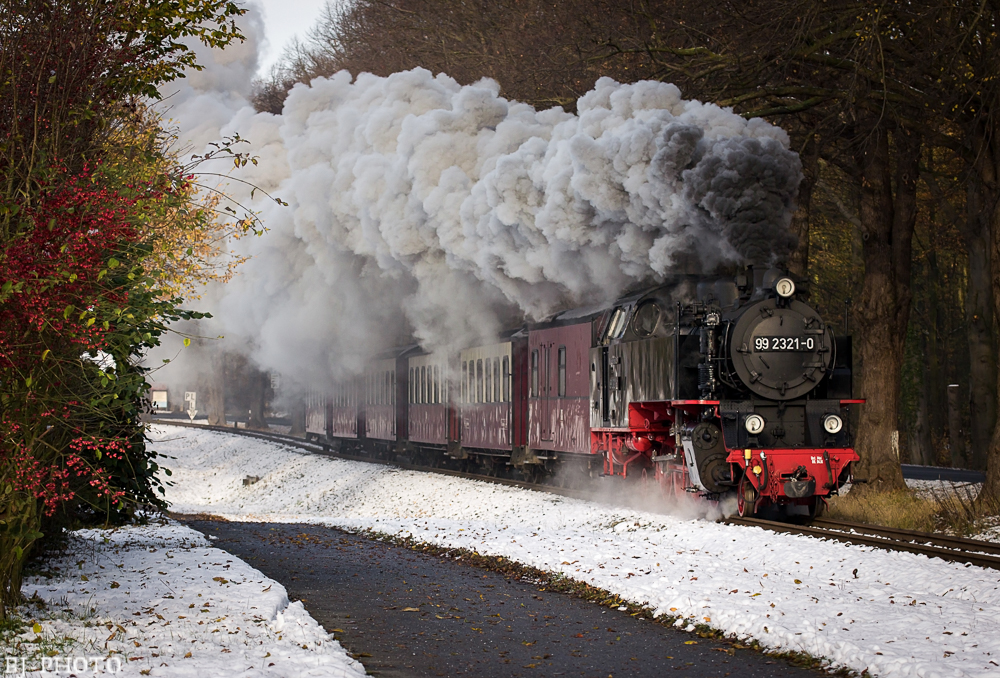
[{"x": 422, "y": 208}]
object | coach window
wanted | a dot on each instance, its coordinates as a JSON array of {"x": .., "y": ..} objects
[
  {"x": 392, "y": 387},
  {"x": 534, "y": 373},
  {"x": 479, "y": 380},
  {"x": 506, "y": 379},
  {"x": 496, "y": 380},
  {"x": 437, "y": 385},
  {"x": 488, "y": 390},
  {"x": 464, "y": 387},
  {"x": 410, "y": 386},
  {"x": 562, "y": 371}
]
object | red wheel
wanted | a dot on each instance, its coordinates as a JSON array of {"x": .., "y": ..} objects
[{"x": 746, "y": 498}]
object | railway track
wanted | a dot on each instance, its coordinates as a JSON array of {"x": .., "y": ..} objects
[
  {"x": 953, "y": 549},
  {"x": 325, "y": 450}
]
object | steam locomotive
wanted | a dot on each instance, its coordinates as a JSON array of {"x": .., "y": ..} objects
[{"x": 703, "y": 385}]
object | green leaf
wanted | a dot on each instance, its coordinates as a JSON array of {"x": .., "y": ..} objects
[
  {"x": 187, "y": 341},
  {"x": 113, "y": 263}
]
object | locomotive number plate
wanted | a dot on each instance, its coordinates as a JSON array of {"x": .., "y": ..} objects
[{"x": 761, "y": 344}]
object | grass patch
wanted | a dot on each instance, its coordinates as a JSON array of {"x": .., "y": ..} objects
[
  {"x": 901, "y": 509},
  {"x": 27, "y": 633},
  {"x": 951, "y": 510}
]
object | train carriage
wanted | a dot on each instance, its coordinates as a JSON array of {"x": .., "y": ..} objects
[
  {"x": 317, "y": 417},
  {"x": 344, "y": 411},
  {"x": 429, "y": 412},
  {"x": 492, "y": 398},
  {"x": 559, "y": 386},
  {"x": 380, "y": 400}
]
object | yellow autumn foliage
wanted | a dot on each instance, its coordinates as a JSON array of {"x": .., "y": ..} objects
[{"x": 191, "y": 245}]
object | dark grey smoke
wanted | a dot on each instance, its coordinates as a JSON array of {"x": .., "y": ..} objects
[{"x": 747, "y": 188}]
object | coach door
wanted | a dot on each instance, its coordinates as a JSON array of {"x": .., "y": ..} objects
[{"x": 545, "y": 392}]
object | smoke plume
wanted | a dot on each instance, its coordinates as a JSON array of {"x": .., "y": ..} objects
[{"x": 418, "y": 207}]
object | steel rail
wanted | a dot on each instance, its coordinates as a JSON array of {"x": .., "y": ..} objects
[
  {"x": 942, "y": 540},
  {"x": 953, "y": 549},
  {"x": 909, "y": 541}
]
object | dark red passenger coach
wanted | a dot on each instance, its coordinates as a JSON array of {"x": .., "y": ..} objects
[{"x": 559, "y": 386}]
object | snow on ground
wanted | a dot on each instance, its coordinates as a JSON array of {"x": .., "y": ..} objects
[
  {"x": 894, "y": 614},
  {"x": 160, "y": 601},
  {"x": 939, "y": 488}
]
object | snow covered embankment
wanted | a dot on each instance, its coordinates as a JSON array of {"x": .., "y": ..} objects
[
  {"x": 895, "y": 614},
  {"x": 159, "y": 601}
]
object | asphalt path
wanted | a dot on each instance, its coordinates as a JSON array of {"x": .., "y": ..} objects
[{"x": 403, "y": 613}]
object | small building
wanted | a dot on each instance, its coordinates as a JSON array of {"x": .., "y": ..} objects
[{"x": 158, "y": 397}]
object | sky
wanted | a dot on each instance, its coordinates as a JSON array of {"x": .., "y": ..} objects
[{"x": 283, "y": 20}]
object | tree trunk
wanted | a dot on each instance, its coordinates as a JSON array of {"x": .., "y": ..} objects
[
  {"x": 798, "y": 261},
  {"x": 979, "y": 323},
  {"x": 988, "y": 169},
  {"x": 936, "y": 336},
  {"x": 887, "y": 232},
  {"x": 215, "y": 387},
  {"x": 956, "y": 436},
  {"x": 259, "y": 384},
  {"x": 921, "y": 446}
]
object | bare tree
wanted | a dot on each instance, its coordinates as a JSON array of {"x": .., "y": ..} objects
[{"x": 536, "y": 49}]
